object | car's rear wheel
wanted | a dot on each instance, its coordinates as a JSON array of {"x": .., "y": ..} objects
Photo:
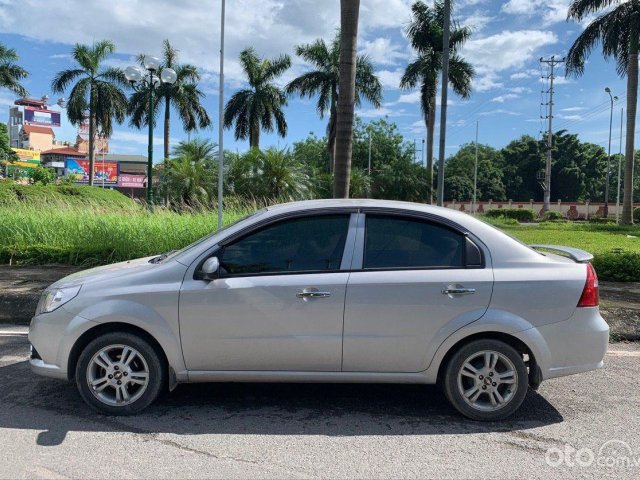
[
  {"x": 486, "y": 380},
  {"x": 119, "y": 373}
]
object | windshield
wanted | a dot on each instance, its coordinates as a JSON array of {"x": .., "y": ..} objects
[{"x": 169, "y": 255}]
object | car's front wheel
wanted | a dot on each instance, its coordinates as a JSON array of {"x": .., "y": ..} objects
[
  {"x": 486, "y": 380},
  {"x": 119, "y": 373}
]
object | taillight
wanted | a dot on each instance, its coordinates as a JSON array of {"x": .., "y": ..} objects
[{"x": 590, "y": 295}]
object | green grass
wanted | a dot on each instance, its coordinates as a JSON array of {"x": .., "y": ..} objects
[
  {"x": 594, "y": 238},
  {"x": 87, "y": 226},
  {"x": 13, "y": 195},
  {"x": 89, "y": 237}
]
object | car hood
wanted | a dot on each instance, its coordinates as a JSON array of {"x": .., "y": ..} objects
[{"x": 106, "y": 272}]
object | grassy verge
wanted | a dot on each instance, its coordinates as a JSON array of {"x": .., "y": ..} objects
[
  {"x": 13, "y": 195},
  {"x": 616, "y": 249},
  {"x": 86, "y": 226},
  {"x": 93, "y": 237}
]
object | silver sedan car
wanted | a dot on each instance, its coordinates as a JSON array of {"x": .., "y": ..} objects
[{"x": 329, "y": 291}]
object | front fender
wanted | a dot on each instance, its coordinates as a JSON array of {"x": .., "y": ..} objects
[{"x": 164, "y": 331}]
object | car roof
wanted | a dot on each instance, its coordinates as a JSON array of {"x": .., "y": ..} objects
[{"x": 357, "y": 203}]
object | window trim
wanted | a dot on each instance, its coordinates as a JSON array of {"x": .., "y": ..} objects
[
  {"x": 423, "y": 217},
  {"x": 347, "y": 250}
]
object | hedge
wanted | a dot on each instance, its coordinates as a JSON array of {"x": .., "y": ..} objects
[
  {"x": 519, "y": 214},
  {"x": 618, "y": 267}
]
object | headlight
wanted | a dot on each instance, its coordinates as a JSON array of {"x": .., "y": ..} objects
[{"x": 52, "y": 299}]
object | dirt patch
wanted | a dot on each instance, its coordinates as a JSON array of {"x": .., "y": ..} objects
[{"x": 21, "y": 286}]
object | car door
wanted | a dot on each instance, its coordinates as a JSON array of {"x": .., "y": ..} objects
[
  {"x": 278, "y": 303},
  {"x": 420, "y": 280}
]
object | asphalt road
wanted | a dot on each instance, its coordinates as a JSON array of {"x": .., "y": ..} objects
[{"x": 587, "y": 425}]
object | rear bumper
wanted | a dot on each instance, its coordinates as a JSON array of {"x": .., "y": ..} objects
[{"x": 576, "y": 345}]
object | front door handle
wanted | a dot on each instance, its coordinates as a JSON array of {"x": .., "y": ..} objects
[
  {"x": 458, "y": 291},
  {"x": 312, "y": 294}
]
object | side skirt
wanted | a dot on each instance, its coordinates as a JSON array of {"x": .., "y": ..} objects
[{"x": 305, "y": 377}]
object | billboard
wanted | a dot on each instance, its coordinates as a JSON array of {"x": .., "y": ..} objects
[
  {"x": 132, "y": 181},
  {"x": 24, "y": 154},
  {"x": 39, "y": 116},
  {"x": 104, "y": 172}
]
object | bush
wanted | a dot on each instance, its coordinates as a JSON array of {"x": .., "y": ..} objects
[
  {"x": 42, "y": 176},
  {"x": 553, "y": 216},
  {"x": 519, "y": 214},
  {"x": 636, "y": 215},
  {"x": 601, "y": 220},
  {"x": 618, "y": 267}
]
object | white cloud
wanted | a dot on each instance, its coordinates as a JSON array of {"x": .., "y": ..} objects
[
  {"x": 383, "y": 51},
  {"x": 477, "y": 21},
  {"x": 507, "y": 49},
  {"x": 503, "y": 51},
  {"x": 551, "y": 11},
  {"x": 532, "y": 72},
  {"x": 412, "y": 97},
  {"x": 498, "y": 111},
  {"x": 133, "y": 137},
  {"x": 570, "y": 117},
  {"x": 505, "y": 97},
  {"x": 381, "y": 112},
  {"x": 390, "y": 78},
  {"x": 135, "y": 26}
]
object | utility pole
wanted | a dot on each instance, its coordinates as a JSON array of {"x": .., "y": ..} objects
[
  {"x": 606, "y": 185},
  {"x": 369, "y": 166},
  {"x": 475, "y": 172},
  {"x": 619, "y": 168},
  {"x": 443, "y": 101},
  {"x": 221, "y": 120},
  {"x": 552, "y": 62}
]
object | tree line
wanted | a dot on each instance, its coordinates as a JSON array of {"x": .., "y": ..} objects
[{"x": 340, "y": 79}]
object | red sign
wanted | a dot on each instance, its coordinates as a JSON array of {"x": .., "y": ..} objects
[{"x": 133, "y": 181}]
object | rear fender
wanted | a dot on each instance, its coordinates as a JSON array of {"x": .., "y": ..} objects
[{"x": 494, "y": 321}]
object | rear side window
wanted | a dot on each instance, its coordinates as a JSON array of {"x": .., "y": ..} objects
[
  {"x": 296, "y": 245},
  {"x": 402, "y": 242}
]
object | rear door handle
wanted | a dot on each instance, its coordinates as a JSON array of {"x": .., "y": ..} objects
[
  {"x": 313, "y": 294},
  {"x": 458, "y": 291}
]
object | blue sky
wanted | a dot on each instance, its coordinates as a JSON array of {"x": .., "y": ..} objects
[{"x": 509, "y": 38}]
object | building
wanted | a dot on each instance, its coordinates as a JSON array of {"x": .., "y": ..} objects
[
  {"x": 32, "y": 137},
  {"x": 56, "y": 158}
]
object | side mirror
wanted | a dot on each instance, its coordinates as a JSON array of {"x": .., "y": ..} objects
[{"x": 210, "y": 268}]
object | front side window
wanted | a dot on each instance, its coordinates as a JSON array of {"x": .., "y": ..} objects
[
  {"x": 402, "y": 242},
  {"x": 297, "y": 245}
]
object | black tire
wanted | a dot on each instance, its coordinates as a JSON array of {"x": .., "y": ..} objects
[
  {"x": 455, "y": 396},
  {"x": 156, "y": 381}
]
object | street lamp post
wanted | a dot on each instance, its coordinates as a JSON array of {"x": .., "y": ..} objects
[
  {"x": 606, "y": 186},
  {"x": 147, "y": 80}
]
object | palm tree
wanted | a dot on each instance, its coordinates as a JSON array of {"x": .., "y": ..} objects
[
  {"x": 349, "y": 11},
  {"x": 259, "y": 105},
  {"x": 98, "y": 90},
  {"x": 268, "y": 175},
  {"x": 10, "y": 73},
  {"x": 618, "y": 29},
  {"x": 183, "y": 95},
  {"x": 425, "y": 34},
  {"x": 189, "y": 174},
  {"x": 324, "y": 82}
]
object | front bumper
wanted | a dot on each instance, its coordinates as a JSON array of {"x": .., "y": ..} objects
[{"x": 53, "y": 335}]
